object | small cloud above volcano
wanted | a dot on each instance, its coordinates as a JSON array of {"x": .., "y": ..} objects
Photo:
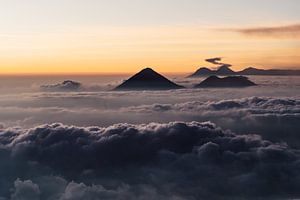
[{"x": 217, "y": 61}]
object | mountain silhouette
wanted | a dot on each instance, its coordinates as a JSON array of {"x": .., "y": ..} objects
[
  {"x": 274, "y": 72},
  {"x": 251, "y": 71},
  {"x": 225, "y": 70},
  {"x": 148, "y": 79},
  {"x": 204, "y": 71},
  {"x": 229, "y": 81}
]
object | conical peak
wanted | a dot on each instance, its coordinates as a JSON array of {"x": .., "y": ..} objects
[
  {"x": 224, "y": 67},
  {"x": 203, "y": 69},
  {"x": 148, "y": 69},
  {"x": 148, "y": 79},
  {"x": 147, "y": 73}
]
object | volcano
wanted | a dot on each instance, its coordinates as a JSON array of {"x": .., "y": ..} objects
[
  {"x": 203, "y": 71},
  {"x": 148, "y": 79},
  {"x": 222, "y": 70},
  {"x": 229, "y": 81}
]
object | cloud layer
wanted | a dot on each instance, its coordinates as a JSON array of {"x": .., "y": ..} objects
[
  {"x": 275, "y": 119},
  {"x": 148, "y": 161},
  {"x": 96, "y": 155}
]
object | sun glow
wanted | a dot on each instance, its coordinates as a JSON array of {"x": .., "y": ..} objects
[{"x": 125, "y": 50}]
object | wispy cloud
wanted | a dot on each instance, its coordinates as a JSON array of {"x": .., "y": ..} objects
[{"x": 286, "y": 31}]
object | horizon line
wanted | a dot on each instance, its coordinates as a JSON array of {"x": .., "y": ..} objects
[
  {"x": 124, "y": 73},
  {"x": 84, "y": 73}
]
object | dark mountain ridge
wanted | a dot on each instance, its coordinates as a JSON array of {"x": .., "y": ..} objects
[
  {"x": 148, "y": 79},
  {"x": 278, "y": 72},
  {"x": 225, "y": 70},
  {"x": 229, "y": 81}
]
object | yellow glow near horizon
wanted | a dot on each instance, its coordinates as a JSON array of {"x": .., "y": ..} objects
[{"x": 177, "y": 49}]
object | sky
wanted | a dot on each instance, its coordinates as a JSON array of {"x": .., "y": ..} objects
[{"x": 174, "y": 36}]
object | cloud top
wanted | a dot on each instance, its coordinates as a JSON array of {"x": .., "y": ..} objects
[{"x": 147, "y": 161}]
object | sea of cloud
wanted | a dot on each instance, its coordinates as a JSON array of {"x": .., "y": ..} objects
[
  {"x": 179, "y": 144},
  {"x": 148, "y": 161}
]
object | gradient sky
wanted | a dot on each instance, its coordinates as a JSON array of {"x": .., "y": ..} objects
[{"x": 123, "y": 36}]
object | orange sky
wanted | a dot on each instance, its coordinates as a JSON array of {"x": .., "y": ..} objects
[
  {"x": 55, "y": 37},
  {"x": 128, "y": 49}
]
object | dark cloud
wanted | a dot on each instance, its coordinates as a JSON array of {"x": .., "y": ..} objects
[
  {"x": 148, "y": 161},
  {"x": 288, "y": 31},
  {"x": 217, "y": 61}
]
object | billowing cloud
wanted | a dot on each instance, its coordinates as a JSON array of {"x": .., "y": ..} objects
[
  {"x": 275, "y": 119},
  {"x": 254, "y": 105},
  {"x": 25, "y": 190},
  {"x": 148, "y": 161},
  {"x": 288, "y": 31}
]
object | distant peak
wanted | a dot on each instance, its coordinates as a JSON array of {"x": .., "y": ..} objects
[
  {"x": 250, "y": 68},
  {"x": 148, "y": 72},
  {"x": 148, "y": 79},
  {"x": 224, "y": 67},
  {"x": 148, "y": 69},
  {"x": 204, "y": 69}
]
